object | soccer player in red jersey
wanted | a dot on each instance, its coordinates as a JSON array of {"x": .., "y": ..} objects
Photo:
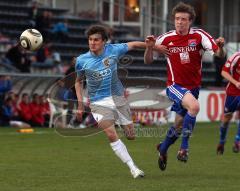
[
  {"x": 231, "y": 72},
  {"x": 183, "y": 48}
]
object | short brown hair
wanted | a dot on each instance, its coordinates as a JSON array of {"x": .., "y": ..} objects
[
  {"x": 184, "y": 8},
  {"x": 98, "y": 29}
]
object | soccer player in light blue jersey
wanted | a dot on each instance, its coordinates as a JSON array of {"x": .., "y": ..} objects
[{"x": 106, "y": 93}]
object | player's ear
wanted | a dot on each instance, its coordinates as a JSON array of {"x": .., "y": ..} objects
[{"x": 191, "y": 21}]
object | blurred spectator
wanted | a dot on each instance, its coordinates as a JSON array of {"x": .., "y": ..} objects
[
  {"x": 15, "y": 109},
  {"x": 60, "y": 31},
  {"x": 43, "y": 24},
  {"x": 45, "y": 109},
  {"x": 6, "y": 112},
  {"x": 33, "y": 13},
  {"x": 24, "y": 108},
  {"x": 4, "y": 43},
  {"x": 17, "y": 57},
  {"x": 6, "y": 115},
  {"x": 69, "y": 81},
  {"x": 70, "y": 92},
  {"x": 4, "y": 38},
  {"x": 46, "y": 58},
  {"x": 37, "y": 112},
  {"x": 5, "y": 86},
  {"x": 71, "y": 97}
]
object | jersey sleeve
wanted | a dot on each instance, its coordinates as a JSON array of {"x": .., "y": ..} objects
[
  {"x": 208, "y": 42},
  {"x": 159, "y": 41},
  {"x": 231, "y": 62},
  {"x": 79, "y": 67},
  {"x": 119, "y": 49}
]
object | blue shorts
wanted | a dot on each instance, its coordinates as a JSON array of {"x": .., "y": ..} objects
[
  {"x": 176, "y": 93},
  {"x": 232, "y": 103}
]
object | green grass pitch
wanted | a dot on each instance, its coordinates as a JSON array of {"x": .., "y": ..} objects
[{"x": 45, "y": 161}]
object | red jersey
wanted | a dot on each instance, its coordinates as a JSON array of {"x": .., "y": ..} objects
[
  {"x": 232, "y": 66},
  {"x": 185, "y": 62},
  {"x": 37, "y": 113},
  {"x": 25, "y": 111}
]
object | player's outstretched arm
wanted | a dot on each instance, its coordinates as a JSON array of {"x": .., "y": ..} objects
[
  {"x": 79, "y": 92},
  {"x": 136, "y": 44},
  {"x": 220, "y": 43},
  {"x": 228, "y": 77}
]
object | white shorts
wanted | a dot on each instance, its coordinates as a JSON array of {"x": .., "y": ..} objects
[{"x": 106, "y": 110}]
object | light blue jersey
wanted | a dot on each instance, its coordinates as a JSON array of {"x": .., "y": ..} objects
[{"x": 101, "y": 71}]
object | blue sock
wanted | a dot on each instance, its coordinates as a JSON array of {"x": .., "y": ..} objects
[
  {"x": 237, "y": 137},
  {"x": 171, "y": 137},
  {"x": 223, "y": 133},
  {"x": 188, "y": 125}
]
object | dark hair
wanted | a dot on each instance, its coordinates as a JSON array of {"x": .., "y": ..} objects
[
  {"x": 98, "y": 29},
  {"x": 24, "y": 94},
  {"x": 8, "y": 99},
  {"x": 184, "y": 8},
  {"x": 34, "y": 96}
]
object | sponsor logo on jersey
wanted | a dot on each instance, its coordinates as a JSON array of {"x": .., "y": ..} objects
[
  {"x": 183, "y": 49},
  {"x": 227, "y": 65},
  {"x": 192, "y": 42},
  {"x": 99, "y": 75},
  {"x": 106, "y": 62}
]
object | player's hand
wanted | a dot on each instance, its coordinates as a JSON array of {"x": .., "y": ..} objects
[
  {"x": 237, "y": 85},
  {"x": 162, "y": 49},
  {"x": 150, "y": 41},
  {"x": 220, "y": 42}
]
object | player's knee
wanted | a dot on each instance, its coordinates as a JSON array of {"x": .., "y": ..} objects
[
  {"x": 227, "y": 118},
  {"x": 112, "y": 136},
  {"x": 226, "y": 121},
  {"x": 194, "y": 108}
]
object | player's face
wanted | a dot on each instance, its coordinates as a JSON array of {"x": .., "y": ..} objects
[
  {"x": 96, "y": 43},
  {"x": 182, "y": 23},
  {"x": 26, "y": 99}
]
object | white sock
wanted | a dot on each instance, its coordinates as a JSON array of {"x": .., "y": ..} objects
[{"x": 121, "y": 151}]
